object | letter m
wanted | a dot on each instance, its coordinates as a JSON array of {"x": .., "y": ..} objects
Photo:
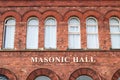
[{"x": 34, "y": 59}]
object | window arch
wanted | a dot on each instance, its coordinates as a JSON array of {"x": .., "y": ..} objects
[
  {"x": 2, "y": 77},
  {"x": 84, "y": 77},
  {"x": 42, "y": 78},
  {"x": 50, "y": 33},
  {"x": 92, "y": 33},
  {"x": 9, "y": 33},
  {"x": 85, "y": 74},
  {"x": 32, "y": 33},
  {"x": 74, "y": 33},
  {"x": 43, "y": 73},
  {"x": 116, "y": 75},
  {"x": 115, "y": 32}
]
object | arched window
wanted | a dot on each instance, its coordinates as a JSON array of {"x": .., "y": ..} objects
[
  {"x": 115, "y": 32},
  {"x": 2, "y": 77},
  {"x": 9, "y": 33},
  {"x": 74, "y": 33},
  {"x": 92, "y": 33},
  {"x": 32, "y": 33},
  {"x": 50, "y": 33},
  {"x": 84, "y": 77},
  {"x": 42, "y": 78}
]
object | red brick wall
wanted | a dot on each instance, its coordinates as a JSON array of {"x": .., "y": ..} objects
[
  {"x": 19, "y": 63},
  {"x": 16, "y": 64}
]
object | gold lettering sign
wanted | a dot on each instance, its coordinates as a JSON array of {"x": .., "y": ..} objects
[{"x": 75, "y": 59}]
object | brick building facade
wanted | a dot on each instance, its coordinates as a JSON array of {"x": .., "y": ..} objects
[{"x": 18, "y": 64}]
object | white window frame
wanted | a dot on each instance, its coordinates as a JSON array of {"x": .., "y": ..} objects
[
  {"x": 45, "y": 32},
  {"x": 85, "y": 76},
  {"x": 27, "y": 29},
  {"x": 4, "y": 36},
  {"x": 74, "y": 33},
  {"x": 114, "y": 33},
  {"x": 39, "y": 78},
  {"x": 93, "y": 33}
]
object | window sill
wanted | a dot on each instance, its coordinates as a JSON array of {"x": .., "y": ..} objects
[
  {"x": 75, "y": 49},
  {"x": 114, "y": 48},
  {"x": 97, "y": 49},
  {"x": 93, "y": 49},
  {"x": 8, "y": 49},
  {"x": 50, "y": 49}
]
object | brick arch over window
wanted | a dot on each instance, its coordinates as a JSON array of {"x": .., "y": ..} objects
[
  {"x": 52, "y": 13},
  {"x": 116, "y": 75},
  {"x": 107, "y": 16},
  {"x": 111, "y": 14},
  {"x": 72, "y": 14},
  {"x": 10, "y": 75},
  {"x": 29, "y": 14},
  {"x": 92, "y": 13},
  {"x": 14, "y": 14},
  {"x": 84, "y": 71},
  {"x": 43, "y": 72}
]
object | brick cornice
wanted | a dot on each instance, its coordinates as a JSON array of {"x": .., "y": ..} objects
[{"x": 60, "y": 3}]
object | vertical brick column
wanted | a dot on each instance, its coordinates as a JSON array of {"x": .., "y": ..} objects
[
  {"x": 62, "y": 35},
  {"x": 20, "y": 36},
  {"x": 1, "y": 34},
  {"x": 101, "y": 33},
  {"x": 106, "y": 34},
  {"x": 41, "y": 34},
  {"x": 83, "y": 34}
]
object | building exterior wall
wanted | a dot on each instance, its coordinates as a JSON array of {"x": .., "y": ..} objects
[{"x": 17, "y": 64}]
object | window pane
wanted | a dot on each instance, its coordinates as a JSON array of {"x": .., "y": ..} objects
[
  {"x": 92, "y": 29},
  {"x": 33, "y": 21},
  {"x": 74, "y": 29},
  {"x": 84, "y": 78},
  {"x": 42, "y": 78},
  {"x": 91, "y": 21},
  {"x": 10, "y": 22},
  {"x": 74, "y": 21},
  {"x": 9, "y": 34},
  {"x": 2, "y": 77},
  {"x": 114, "y": 21},
  {"x": 92, "y": 41},
  {"x": 32, "y": 34},
  {"x": 50, "y": 34},
  {"x": 115, "y": 41},
  {"x": 115, "y": 29},
  {"x": 50, "y": 21},
  {"x": 74, "y": 33},
  {"x": 74, "y": 41}
]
